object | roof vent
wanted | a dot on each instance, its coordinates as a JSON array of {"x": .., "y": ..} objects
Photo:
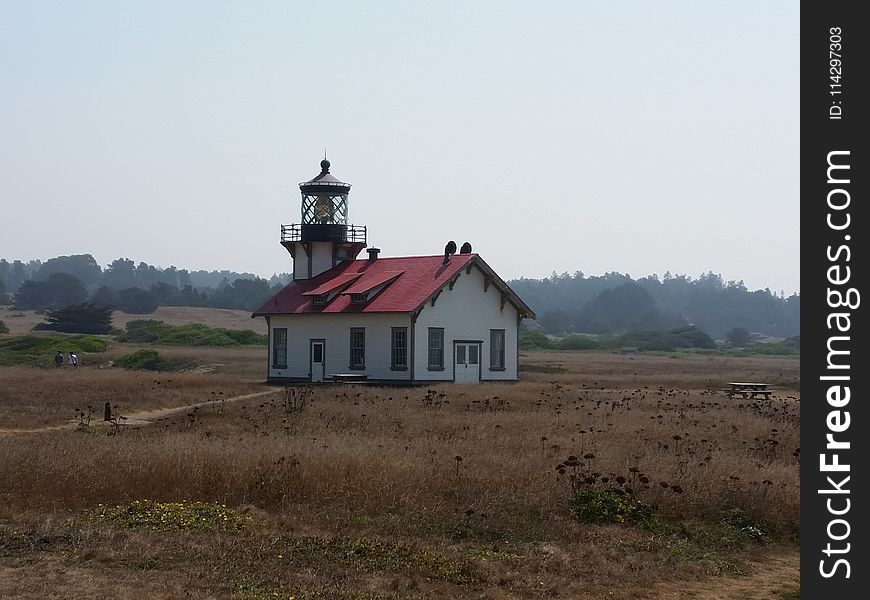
[
  {"x": 373, "y": 253},
  {"x": 449, "y": 249},
  {"x": 466, "y": 248}
]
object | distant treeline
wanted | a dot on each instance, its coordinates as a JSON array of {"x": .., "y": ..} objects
[
  {"x": 611, "y": 304},
  {"x": 616, "y": 303},
  {"x": 123, "y": 284}
]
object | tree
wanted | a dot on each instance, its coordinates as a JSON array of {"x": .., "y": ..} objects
[
  {"x": 65, "y": 289},
  {"x": 79, "y": 318},
  {"x": 59, "y": 289},
  {"x": 738, "y": 337},
  {"x": 137, "y": 301},
  {"x": 146, "y": 275},
  {"x": 555, "y": 321},
  {"x": 243, "y": 294},
  {"x": 120, "y": 274},
  {"x": 105, "y": 296},
  {"x": 189, "y": 296},
  {"x": 626, "y": 307},
  {"x": 81, "y": 266},
  {"x": 14, "y": 273}
]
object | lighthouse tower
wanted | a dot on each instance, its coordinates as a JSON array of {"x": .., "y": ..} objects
[{"x": 323, "y": 238}]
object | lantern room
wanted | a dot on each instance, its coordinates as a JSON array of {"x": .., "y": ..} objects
[{"x": 323, "y": 238}]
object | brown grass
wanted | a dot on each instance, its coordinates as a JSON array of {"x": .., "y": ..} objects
[
  {"x": 31, "y": 397},
  {"x": 21, "y": 322},
  {"x": 182, "y": 315},
  {"x": 366, "y": 463}
]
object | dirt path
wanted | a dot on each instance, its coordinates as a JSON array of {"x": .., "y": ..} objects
[
  {"x": 141, "y": 418},
  {"x": 777, "y": 578}
]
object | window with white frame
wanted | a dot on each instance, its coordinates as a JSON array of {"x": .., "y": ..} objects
[
  {"x": 496, "y": 349},
  {"x": 279, "y": 348},
  {"x": 436, "y": 348},
  {"x": 399, "y": 348},
  {"x": 357, "y": 348}
]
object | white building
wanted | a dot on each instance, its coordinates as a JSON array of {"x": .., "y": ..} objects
[{"x": 414, "y": 320}]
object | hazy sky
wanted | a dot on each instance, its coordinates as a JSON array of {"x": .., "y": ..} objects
[{"x": 637, "y": 137}]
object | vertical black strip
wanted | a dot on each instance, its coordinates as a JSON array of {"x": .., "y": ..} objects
[{"x": 834, "y": 171}]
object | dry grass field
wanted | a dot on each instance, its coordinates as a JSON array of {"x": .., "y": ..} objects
[
  {"x": 21, "y": 322},
  {"x": 358, "y": 492},
  {"x": 182, "y": 315}
]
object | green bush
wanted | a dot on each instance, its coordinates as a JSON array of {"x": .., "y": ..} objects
[
  {"x": 609, "y": 506},
  {"x": 145, "y": 359},
  {"x": 193, "y": 334},
  {"x": 172, "y": 516},
  {"x": 40, "y": 350},
  {"x": 666, "y": 341},
  {"x": 578, "y": 342},
  {"x": 788, "y": 347},
  {"x": 150, "y": 360},
  {"x": 535, "y": 340},
  {"x": 245, "y": 337},
  {"x": 690, "y": 337},
  {"x": 747, "y": 526},
  {"x": 3, "y": 328}
]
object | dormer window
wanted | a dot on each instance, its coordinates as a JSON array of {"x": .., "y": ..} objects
[
  {"x": 370, "y": 285},
  {"x": 319, "y": 299}
]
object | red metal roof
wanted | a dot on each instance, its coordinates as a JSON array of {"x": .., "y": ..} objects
[
  {"x": 416, "y": 279},
  {"x": 332, "y": 284},
  {"x": 421, "y": 277},
  {"x": 372, "y": 280}
]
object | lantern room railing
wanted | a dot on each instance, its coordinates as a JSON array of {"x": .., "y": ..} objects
[{"x": 349, "y": 233}]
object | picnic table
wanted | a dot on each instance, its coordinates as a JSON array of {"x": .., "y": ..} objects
[{"x": 748, "y": 390}]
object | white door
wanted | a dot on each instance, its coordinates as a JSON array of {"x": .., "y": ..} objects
[
  {"x": 466, "y": 367},
  {"x": 318, "y": 360}
]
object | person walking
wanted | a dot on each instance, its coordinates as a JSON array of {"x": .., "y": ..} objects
[
  {"x": 58, "y": 360},
  {"x": 73, "y": 360}
]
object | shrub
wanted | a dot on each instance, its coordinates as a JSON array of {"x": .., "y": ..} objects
[
  {"x": 609, "y": 506},
  {"x": 788, "y": 347},
  {"x": 691, "y": 337},
  {"x": 172, "y": 516},
  {"x": 739, "y": 520},
  {"x": 150, "y": 360},
  {"x": 193, "y": 334},
  {"x": 578, "y": 342},
  {"x": 38, "y": 350},
  {"x": 3, "y": 328},
  {"x": 738, "y": 337},
  {"x": 667, "y": 341},
  {"x": 535, "y": 340},
  {"x": 145, "y": 359}
]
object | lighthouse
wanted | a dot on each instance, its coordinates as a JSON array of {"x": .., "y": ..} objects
[
  {"x": 412, "y": 320},
  {"x": 324, "y": 237}
]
